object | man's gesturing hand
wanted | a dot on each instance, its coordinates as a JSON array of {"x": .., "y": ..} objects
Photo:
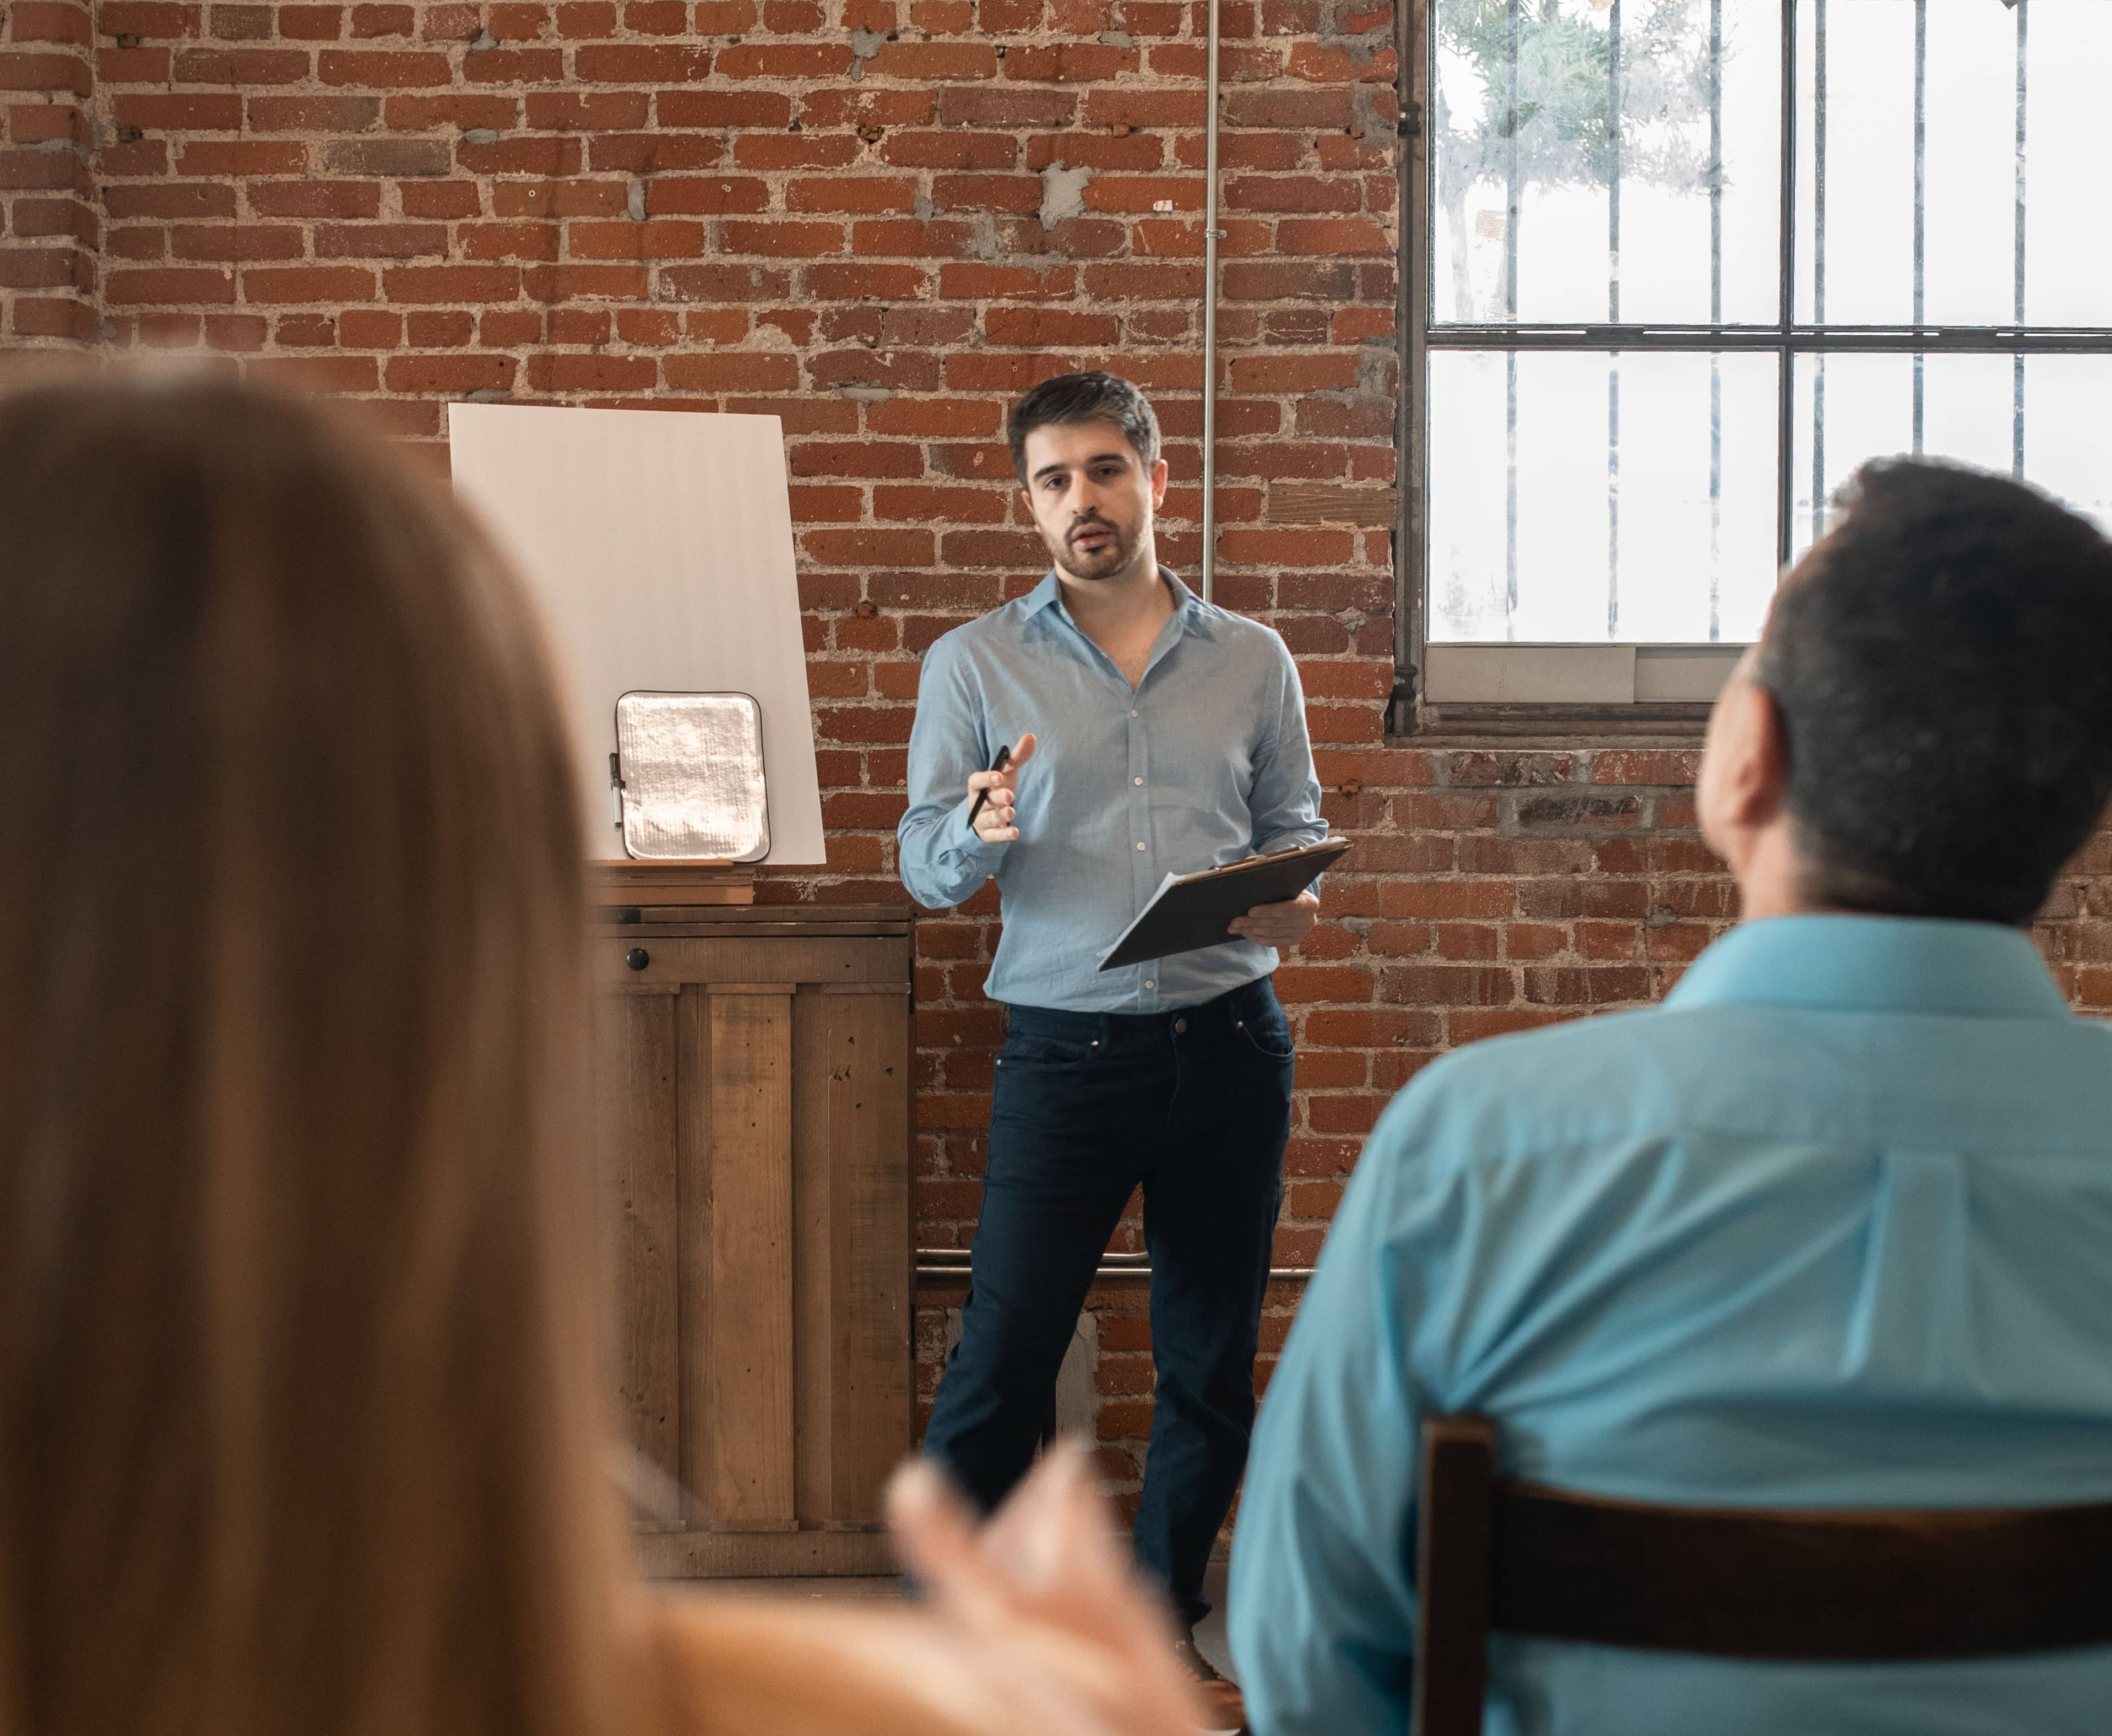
[
  {"x": 1279, "y": 924},
  {"x": 994, "y": 825}
]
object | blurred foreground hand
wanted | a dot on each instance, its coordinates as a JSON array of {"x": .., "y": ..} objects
[
  {"x": 1047, "y": 1580},
  {"x": 1036, "y": 1625}
]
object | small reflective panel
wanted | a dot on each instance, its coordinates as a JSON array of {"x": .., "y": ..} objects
[{"x": 692, "y": 770}]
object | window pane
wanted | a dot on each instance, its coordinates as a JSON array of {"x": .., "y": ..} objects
[
  {"x": 1571, "y": 497},
  {"x": 1886, "y": 85},
  {"x": 2067, "y": 446},
  {"x": 1849, "y": 408},
  {"x": 1854, "y": 177},
  {"x": 1969, "y": 183},
  {"x": 1543, "y": 213},
  {"x": 2068, "y": 244}
]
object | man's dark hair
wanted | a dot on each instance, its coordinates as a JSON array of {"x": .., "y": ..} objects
[
  {"x": 1084, "y": 397},
  {"x": 1942, "y": 664}
]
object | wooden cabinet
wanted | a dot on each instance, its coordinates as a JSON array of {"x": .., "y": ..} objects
[{"x": 751, "y": 1138}]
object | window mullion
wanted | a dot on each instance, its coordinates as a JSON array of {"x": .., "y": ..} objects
[
  {"x": 1920, "y": 206},
  {"x": 1715, "y": 318},
  {"x": 1786, "y": 292},
  {"x": 1513, "y": 216},
  {"x": 1818, "y": 265},
  {"x": 1613, "y": 315},
  {"x": 2017, "y": 364}
]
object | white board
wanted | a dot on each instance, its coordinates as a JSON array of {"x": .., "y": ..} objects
[{"x": 659, "y": 545}]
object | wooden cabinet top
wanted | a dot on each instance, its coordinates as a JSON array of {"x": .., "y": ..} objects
[{"x": 758, "y": 921}]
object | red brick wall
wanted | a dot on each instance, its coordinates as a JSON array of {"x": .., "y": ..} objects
[
  {"x": 49, "y": 232},
  {"x": 880, "y": 219}
]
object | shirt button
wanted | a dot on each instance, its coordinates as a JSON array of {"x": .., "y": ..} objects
[
  {"x": 1148, "y": 984},
  {"x": 1137, "y": 780},
  {"x": 1140, "y": 845},
  {"x": 1132, "y": 714}
]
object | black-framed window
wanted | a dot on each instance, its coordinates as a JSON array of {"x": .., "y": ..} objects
[{"x": 1631, "y": 386}]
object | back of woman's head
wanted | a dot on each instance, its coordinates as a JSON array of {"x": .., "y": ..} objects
[{"x": 292, "y": 1429}]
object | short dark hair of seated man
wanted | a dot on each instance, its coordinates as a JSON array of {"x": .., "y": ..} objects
[
  {"x": 1825, "y": 1229},
  {"x": 1943, "y": 666}
]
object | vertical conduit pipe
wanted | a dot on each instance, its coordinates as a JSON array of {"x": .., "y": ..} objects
[{"x": 1211, "y": 236}]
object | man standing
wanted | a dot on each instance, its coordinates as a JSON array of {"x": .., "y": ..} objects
[
  {"x": 1149, "y": 732},
  {"x": 1828, "y": 1228}
]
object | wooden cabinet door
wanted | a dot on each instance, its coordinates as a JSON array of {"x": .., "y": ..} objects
[
  {"x": 752, "y": 1152},
  {"x": 852, "y": 1263},
  {"x": 636, "y": 1113},
  {"x": 738, "y": 1162}
]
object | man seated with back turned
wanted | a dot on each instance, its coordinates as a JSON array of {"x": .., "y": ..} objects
[{"x": 1830, "y": 1228}]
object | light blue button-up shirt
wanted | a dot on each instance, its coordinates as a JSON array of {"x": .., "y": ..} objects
[
  {"x": 1205, "y": 762},
  {"x": 1831, "y": 1227}
]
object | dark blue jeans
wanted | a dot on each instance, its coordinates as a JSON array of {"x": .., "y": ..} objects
[{"x": 1195, "y": 1105}]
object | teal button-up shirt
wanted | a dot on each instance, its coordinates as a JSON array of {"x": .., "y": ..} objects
[
  {"x": 1206, "y": 762},
  {"x": 1831, "y": 1227}
]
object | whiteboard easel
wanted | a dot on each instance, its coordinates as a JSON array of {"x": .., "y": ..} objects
[{"x": 658, "y": 545}]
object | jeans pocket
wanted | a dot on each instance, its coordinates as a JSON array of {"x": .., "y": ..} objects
[
  {"x": 1031, "y": 1049},
  {"x": 1269, "y": 1035}
]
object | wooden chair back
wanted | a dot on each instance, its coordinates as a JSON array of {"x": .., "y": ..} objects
[{"x": 1730, "y": 1582}]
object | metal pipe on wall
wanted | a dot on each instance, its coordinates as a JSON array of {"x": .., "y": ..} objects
[{"x": 1211, "y": 236}]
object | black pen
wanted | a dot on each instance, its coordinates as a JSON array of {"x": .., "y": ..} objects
[{"x": 1003, "y": 755}]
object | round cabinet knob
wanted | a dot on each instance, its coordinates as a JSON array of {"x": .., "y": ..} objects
[{"x": 638, "y": 958}]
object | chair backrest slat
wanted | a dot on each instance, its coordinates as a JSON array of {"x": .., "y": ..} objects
[
  {"x": 1453, "y": 1562},
  {"x": 1725, "y": 1582},
  {"x": 1866, "y": 1587}
]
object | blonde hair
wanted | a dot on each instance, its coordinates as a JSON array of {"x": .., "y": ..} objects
[{"x": 296, "y": 1430}]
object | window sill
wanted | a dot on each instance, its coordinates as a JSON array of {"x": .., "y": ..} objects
[
  {"x": 1552, "y": 725},
  {"x": 1475, "y": 694}
]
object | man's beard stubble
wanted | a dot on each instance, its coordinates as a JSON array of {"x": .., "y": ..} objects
[{"x": 1112, "y": 556}]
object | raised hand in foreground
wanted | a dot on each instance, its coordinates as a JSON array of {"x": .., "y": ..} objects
[
  {"x": 1047, "y": 1576},
  {"x": 1037, "y": 1626}
]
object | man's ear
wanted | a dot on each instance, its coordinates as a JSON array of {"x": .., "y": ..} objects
[
  {"x": 1771, "y": 753},
  {"x": 1744, "y": 766},
  {"x": 1159, "y": 474},
  {"x": 1755, "y": 770}
]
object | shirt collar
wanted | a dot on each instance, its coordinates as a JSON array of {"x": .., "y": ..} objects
[
  {"x": 1190, "y": 610},
  {"x": 1892, "y": 964},
  {"x": 1049, "y": 590}
]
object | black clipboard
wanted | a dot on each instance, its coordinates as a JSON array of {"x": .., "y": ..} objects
[{"x": 1190, "y": 912}]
